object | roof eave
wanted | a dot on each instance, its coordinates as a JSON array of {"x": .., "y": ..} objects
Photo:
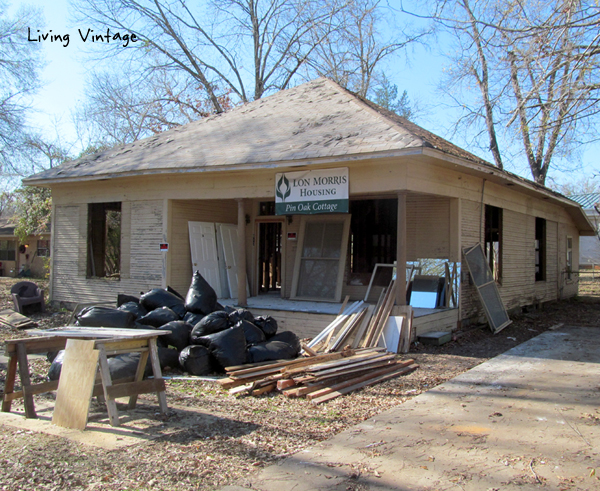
[{"x": 47, "y": 182}]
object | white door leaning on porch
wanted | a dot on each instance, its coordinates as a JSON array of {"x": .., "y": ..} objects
[
  {"x": 214, "y": 248},
  {"x": 205, "y": 258}
]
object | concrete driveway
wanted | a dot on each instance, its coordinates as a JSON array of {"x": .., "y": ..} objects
[{"x": 527, "y": 419}]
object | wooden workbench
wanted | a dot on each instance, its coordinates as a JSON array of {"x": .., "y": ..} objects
[{"x": 106, "y": 342}]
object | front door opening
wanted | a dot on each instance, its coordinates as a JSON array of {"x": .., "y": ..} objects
[{"x": 269, "y": 257}]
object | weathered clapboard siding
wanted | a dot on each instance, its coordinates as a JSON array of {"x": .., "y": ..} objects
[
  {"x": 518, "y": 286},
  {"x": 182, "y": 212},
  {"x": 141, "y": 233},
  {"x": 427, "y": 227},
  {"x": 470, "y": 235}
]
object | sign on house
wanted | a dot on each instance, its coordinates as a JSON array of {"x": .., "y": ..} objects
[{"x": 312, "y": 192}]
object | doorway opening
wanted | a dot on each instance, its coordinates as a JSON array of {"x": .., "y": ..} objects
[{"x": 269, "y": 257}]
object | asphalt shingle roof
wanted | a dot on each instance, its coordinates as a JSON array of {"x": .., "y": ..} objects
[{"x": 318, "y": 119}]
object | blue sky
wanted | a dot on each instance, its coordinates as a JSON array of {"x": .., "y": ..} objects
[{"x": 64, "y": 76}]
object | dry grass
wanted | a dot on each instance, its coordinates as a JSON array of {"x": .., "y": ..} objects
[{"x": 247, "y": 433}]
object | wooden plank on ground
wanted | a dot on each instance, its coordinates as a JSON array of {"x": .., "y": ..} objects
[
  {"x": 76, "y": 384},
  {"x": 375, "y": 380},
  {"x": 14, "y": 320},
  {"x": 355, "y": 380}
]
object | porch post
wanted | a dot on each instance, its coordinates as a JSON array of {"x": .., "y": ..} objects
[
  {"x": 241, "y": 266},
  {"x": 401, "y": 251}
]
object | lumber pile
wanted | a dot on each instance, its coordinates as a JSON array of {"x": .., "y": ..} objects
[
  {"x": 319, "y": 378},
  {"x": 362, "y": 326}
]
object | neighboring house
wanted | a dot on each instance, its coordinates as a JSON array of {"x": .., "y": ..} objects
[
  {"x": 28, "y": 258},
  {"x": 292, "y": 199},
  {"x": 589, "y": 247}
]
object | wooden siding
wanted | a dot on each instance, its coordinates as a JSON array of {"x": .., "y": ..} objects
[
  {"x": 517, "y": 287},
  {"x": 70, "y": 284},
  {"x": 427, "y": 227},
  {"x": 422, "y": 177},
  {"x": 182, "y": 212}
]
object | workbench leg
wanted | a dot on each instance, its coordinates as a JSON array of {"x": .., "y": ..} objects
[
  {"x": 139, "y": 375},
  {"x": 111, "y": 404},
  {"x": 25, "y": 381},
  {"x": 162, "y": 398},
  {"x": 9, "y": 384}
]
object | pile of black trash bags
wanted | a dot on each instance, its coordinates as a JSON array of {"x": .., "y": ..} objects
[{"x": 204, "y": 337}]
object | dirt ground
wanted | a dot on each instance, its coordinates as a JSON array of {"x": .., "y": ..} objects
[{"x": 245, "y": 433}]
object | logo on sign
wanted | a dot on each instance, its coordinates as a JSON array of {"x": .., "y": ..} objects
[{"x": 283, "y": 189}]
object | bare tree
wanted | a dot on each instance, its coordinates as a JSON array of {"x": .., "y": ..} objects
[
  {"x": 123, "y": 109},
  {"x": 535, "y": 64},
  {"x": 20, "y": 62},
  {"x": 243, "y": 47},
  {"x": 353, "y": 53}
]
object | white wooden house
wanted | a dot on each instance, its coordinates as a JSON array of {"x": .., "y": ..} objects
[{"x": 202, "y": 196}]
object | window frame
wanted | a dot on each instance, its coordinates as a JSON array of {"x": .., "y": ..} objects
[
  {"x": 540, "y": 249},
  {"x": 97, "y": 230},
  {"x": 490, "y": 231},
  {"x": 8, "y": 250},
  {"x": 344, "y": 219},
  {"x": 47, "y": 248}
]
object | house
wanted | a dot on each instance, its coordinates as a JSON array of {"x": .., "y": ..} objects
[
  {"x": 589, "y": 247},
  {"x": 288, "y": 203},
  {"x": 29, "y": 258}
]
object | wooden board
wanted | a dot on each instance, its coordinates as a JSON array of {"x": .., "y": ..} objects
[
  {"x": 14, "y": 320},
  {"x": 76, "y": 384}
]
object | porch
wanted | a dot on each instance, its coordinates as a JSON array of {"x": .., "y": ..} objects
[{"x": 307, "y": 319}]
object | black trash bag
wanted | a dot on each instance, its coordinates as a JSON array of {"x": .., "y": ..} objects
[
  {"x": 135, "y": 308},
  {"x": 98, "y": 316},
  {"x": 271, "y": 350},
  {"x": 267, "y": 324},
  {"x": 158, "y": 317},
  {"x": 125, "y": 365},
  {"x": 227, "y": 347},
  {"x": 192, "y": 318},
  {"x": 124, "y": 298},
  {"x": 229, "y": 309},
  {"x": 290, "y": 338},
  {"x": 210, "y": 324},
  {"x": 159, "y": 297},
  {"x": 179, "y": 336},
  {"x": 241, "y": 315},
  {"x": 218, "y": 307},
  {"x": 167, "y": 358},
  {"x": 56, "y": 366},
  {"x": 196, "y": 360},
  {"x": 175, "y": 292},
  {"x": 51, "y": 355},
  {"x": 200, "y": 298},
  {"x": 253, "y": 334}
]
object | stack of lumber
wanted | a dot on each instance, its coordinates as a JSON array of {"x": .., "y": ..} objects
[
  {"x": 319, "y": 378},
  {"x": 361, "y": 326}
]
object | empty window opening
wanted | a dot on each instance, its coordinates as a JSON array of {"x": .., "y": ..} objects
[
  {"x": 493, "y": 240},
  {"x": 104, "y": 240},
  {"x": 373, "y": 238},
  {"x": 540, "y": 249},
  {"x": 569, "y": 257}
]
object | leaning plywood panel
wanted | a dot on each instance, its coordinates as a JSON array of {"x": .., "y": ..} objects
[{"x": 76, "y": 384}]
